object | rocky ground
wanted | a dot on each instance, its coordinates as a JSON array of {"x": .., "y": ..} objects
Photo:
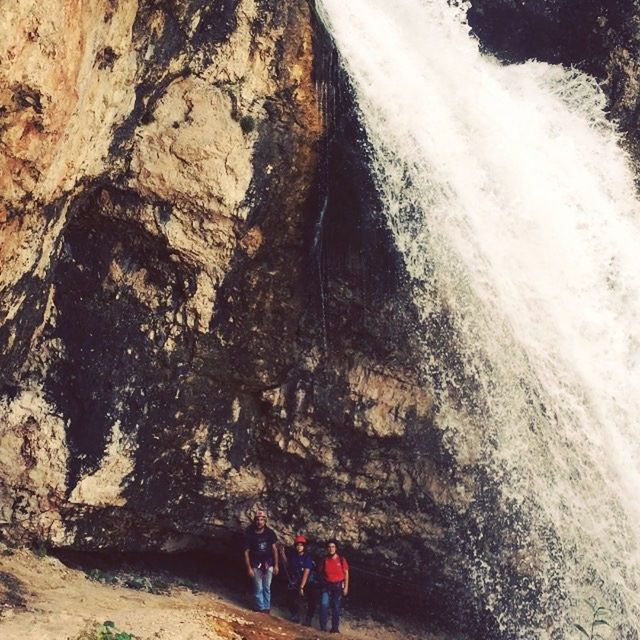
[{"x": 43, "y": 599}]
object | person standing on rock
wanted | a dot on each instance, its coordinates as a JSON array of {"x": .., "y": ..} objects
[
  {"x": 261, "y": 560},
  {"x": 298, "y": 566},
  {"x": 334, "y": 572}
]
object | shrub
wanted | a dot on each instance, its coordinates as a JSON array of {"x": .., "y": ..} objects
[
  {"x": 140, "y": 583},
  {"x": 247, "y": 124},
  {"x": 106, "y": 631},
  {"x": 109, "y": 631}
]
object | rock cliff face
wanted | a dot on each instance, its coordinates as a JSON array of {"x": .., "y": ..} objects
[
  {"x": 158, "y": 160},
  {"x": 201, "y": 309}
]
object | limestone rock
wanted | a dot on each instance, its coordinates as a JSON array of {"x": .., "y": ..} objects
[
  {"x": 193, "y": 153},
  {"x": 66, "y": 81}
]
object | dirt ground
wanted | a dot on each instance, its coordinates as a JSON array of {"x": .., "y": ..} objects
[{"x": 42, "y": 599}]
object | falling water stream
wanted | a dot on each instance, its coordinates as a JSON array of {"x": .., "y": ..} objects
[{"x": 514, "y": 208}]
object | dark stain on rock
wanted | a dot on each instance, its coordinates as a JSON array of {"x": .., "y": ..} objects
[
  {"x": 27, "y": 449},
  {"x": 114, "y": 286},
  {"x": 16, "y": 334},
  {"x": 147, "y": 96},
  {"x": 26, "y": 97},
  {"x": 105, "y": 58},
  {"x": 216, "y": 22},
  {"x": 164, "y": 212},
  {"x": 9, "y": 391}
]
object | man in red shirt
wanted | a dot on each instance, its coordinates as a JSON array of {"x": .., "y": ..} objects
[{"x": 335, "y": 574}]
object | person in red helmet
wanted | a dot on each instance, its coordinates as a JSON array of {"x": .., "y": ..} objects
[{"x": 299, "y": 566}]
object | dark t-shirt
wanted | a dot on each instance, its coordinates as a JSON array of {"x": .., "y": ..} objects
[
  {"x": 297, "y": 564},
  {"x": 259, "y": 545}
]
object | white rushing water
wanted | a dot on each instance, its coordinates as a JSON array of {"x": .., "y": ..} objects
[{"x": 509, "y": 196}]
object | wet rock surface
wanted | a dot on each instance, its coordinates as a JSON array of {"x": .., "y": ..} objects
[
  {"x": 110, "y": 277},
  {"x": 216, "y": 318}
]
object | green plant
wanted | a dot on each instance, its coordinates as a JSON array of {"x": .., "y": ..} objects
[
  {"x": 157, "y": 585},
  {"x": 188, "y": 584},
  {"x": 95, "y": 575},
  {"x": 7, "y": 552},
  {"x": 40, "y": 550},
  {"x": 598, "y": 620},
  {"x": 108, "y": 631}
]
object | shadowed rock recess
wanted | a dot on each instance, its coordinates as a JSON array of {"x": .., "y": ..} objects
[{"x": 201, "y": 309}]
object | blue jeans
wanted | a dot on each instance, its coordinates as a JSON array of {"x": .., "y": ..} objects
[
  {"x": 331, "y": 597},
  {"x": 262, "y": 588}
]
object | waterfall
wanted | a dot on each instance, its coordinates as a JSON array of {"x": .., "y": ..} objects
[{"x": 514, "y": 208}]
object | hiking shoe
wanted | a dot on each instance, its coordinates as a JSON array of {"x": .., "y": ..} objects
[{"x": 334, "y": 631}]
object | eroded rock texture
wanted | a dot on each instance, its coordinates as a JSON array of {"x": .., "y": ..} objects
[{"x": 151, "y": 152}]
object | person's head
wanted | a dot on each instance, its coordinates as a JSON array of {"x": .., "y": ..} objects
[
  {"x": 331, "y": 547},
  {"x": 300, "y": 542},
  {"x": 260, "y": 519}
]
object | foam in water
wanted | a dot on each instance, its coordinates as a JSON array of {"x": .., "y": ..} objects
[{"x": 506, "y": 187}]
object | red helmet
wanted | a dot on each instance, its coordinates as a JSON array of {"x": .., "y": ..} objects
[{"x": 298, "y": 539}]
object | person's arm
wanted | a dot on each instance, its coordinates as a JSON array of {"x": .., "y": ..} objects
[
  {"x": 303, "y": 582},
  {"x": 345, "y": 588},
  {"x": 276, "y": 564},
  {"x": 247, "y": 563}
]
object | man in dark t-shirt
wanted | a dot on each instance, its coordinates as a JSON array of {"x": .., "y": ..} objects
[{"x": 261, "y": 560}]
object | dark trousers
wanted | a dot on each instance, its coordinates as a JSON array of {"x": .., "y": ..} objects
[
  {"x": 296, "y": 602},
  {"x": 331, "y": 598}
]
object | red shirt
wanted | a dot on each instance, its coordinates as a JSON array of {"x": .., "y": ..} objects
[{"x": 333, "y": 568}]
